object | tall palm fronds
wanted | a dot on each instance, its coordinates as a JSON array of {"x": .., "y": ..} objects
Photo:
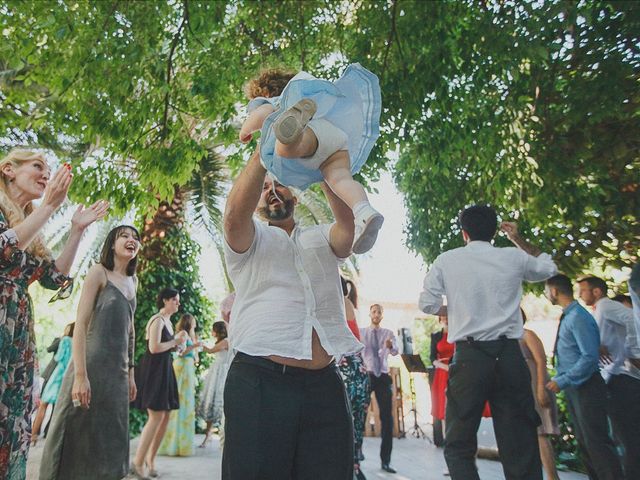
[{"x": 204, "y": 192}]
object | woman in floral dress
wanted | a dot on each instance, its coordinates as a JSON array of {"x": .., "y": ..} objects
[
  {"x": 356, "y": 378},
  {"x": 210, "y": 407},
  {"x": 178, "y": 440},
  {"x": 24, "y": 177}
]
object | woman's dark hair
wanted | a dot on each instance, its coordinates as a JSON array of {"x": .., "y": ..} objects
[
  {"x": 219, "y": 330},
  {"x": 479, "y": 221},
  {"x": 106, "y": 256},
  {"x": 165, "y": 294},
  {"x": 622, "y": 298},
  {"x": 524, "y": 316},
  {"x": 186, "y": 323},
  {"x": 68, "y": 330},
  {"x": 349, "y": 290}
]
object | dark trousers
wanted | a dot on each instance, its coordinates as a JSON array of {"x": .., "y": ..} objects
[
  {"x": 624, "y": 411},
  {"x": 493, "y": 371},
  {"x": 382, "y": 386},
  {"x": 587, "y": 406},
  {"x": 285, "y": 423}
]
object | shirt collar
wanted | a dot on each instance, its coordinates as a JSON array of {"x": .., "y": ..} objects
[
  {"x": 570, "y": 307},
  {"x": 478, "y": 244},
  {"x": 296, "y": 226}
]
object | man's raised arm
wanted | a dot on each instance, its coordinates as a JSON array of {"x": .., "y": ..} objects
[
  {"x": 241, "y": 203},
  {"x": 342, "y": 231}
]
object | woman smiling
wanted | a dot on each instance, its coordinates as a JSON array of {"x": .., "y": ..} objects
[{"x": 25, "y": 176}]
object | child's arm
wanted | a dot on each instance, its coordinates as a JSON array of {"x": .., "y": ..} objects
[{"x": 254, "y": 121}]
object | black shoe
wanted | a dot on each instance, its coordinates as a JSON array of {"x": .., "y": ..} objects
[{"x": 388, "y": 468}]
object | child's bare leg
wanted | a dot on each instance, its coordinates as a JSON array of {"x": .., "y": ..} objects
[
  {"x": 306, "y": 146},
  {"x": 337, "y": 173},
  {"x": 254, "y": 121}
]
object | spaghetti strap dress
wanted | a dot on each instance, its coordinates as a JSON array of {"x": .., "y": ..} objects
[
  {"x": 94, "y": 443},
  {"x": 156, "y": 379}
]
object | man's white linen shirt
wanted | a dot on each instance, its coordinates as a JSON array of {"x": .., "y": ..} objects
[
  {"x": 483, "y": 286},
  {"x": 287, "y": 286},
  {"x": 618, "y": 334}
]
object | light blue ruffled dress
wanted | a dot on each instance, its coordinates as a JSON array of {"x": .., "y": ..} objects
[
  {"x": 351, "y": 103},
  {"x": 63, "y": 357}
]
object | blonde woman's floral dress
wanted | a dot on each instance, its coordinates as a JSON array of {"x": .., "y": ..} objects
[{"x": 18, "y": 269}]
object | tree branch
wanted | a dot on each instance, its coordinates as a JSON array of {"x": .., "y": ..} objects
[
  {"x": 174, "y": 44},
  {"x": 389, "y": 38},
  {"x": 186, "y": 13},
  {"x": 303, "y": 38}
]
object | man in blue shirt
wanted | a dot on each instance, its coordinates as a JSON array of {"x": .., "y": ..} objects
[
  {"x": 619, "y": 347},
  {"x": 576, "y": 353}
]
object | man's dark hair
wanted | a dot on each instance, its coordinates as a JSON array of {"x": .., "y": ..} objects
[
  {"x": 595, "y": 282},
  {"x": 562, "y": 283},
  {"x": 622, "y": 298},
  {"x": 479, "y": 221}
]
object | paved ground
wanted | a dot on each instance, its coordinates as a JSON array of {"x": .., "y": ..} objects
[{"x": 415, "y": 459}]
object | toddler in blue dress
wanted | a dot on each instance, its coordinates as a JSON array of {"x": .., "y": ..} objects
[{"x": 314, "y": 130}]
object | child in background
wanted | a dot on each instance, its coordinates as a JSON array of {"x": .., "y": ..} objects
[
  {"x": 52, "y": 387},
  {"x": 315, "y": 130}
]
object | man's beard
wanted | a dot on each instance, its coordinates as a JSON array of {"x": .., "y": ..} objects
[{"x": 281, "y": 212}]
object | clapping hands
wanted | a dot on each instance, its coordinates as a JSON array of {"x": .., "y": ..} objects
[{"x": 83, "y": 217}]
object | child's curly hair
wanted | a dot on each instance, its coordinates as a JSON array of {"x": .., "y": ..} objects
[{"x": 269, "y": 83}]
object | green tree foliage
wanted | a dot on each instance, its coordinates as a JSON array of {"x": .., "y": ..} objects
[{"x": 530, "y": 106}]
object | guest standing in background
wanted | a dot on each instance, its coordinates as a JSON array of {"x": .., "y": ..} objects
[
  {"x": 441, "y": 354},
  {"x": 178, "y": 440},
  {"x": 545, "y": 400},
  {"x": 355, "y": 377},
  {"x": 211, "y": 403},
  {"x": 51, "y": 366},
  {"x": 620, "y": 356},
  {"x": 483, "y": 287},
  {"x": 576, "y": 355},
  {"x": 156, "y": 380},
  {"x": 89, "y": 434},
  {"x": 52, "y": 387},
  {"x": 24, "y": 177},
  {"x": 379, "y": 343}
]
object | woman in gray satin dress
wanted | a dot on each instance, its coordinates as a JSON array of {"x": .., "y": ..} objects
[{"x": 89, "y": 433}]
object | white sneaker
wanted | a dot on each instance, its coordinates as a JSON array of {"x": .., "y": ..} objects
[
  {"x": 368, "y": 224},
  {"x": 291, "y": 123}
]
